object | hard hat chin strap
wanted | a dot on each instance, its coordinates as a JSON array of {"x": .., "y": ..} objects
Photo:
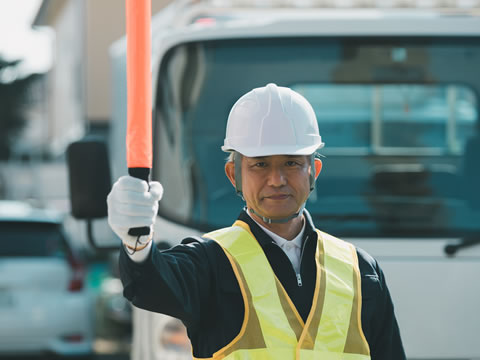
[
  {"x": 278, "y": 221},
  {"x": 237, "y": 161},
  {"x": 312, "y": 172}
]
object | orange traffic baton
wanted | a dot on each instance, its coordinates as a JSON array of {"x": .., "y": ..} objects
[{"x": 139, "y": 94}]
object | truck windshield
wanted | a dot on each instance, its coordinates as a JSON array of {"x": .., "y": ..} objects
[{"x": 399, "y": 117}]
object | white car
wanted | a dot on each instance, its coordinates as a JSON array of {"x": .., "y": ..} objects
[{"x": 45, "y": 306}]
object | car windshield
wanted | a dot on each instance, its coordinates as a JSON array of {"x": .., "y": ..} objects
[
  {"x": 30, "y": 239},
  {"x": 399, "y": 118}
]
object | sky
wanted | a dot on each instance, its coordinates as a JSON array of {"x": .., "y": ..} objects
[{"x": 19, "y": 41}]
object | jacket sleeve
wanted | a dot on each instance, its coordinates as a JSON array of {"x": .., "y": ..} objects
[
  {"x": 174, "y": 282},
  {"x": 378, "y": 317}
]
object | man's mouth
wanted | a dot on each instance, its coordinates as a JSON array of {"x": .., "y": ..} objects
[{"x": 277, "y": 197}]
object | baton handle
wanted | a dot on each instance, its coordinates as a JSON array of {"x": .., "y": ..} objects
[{"x": 143, "y": 174}]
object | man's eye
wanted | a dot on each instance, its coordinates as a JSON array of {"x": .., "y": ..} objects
[
  {"x": 260, "y": 164},
  {"x": 292, "y": 163}
]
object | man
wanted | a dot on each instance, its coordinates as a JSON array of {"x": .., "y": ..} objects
[{"x": 271, "y": 286}]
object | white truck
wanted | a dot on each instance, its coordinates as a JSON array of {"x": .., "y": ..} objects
[{"x": 396, "y": 93}]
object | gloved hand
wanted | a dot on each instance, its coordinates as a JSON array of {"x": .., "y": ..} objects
[{"x": 131, "y": 204}]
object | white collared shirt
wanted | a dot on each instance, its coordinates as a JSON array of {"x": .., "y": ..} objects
[{"x": 292, "y": 248}]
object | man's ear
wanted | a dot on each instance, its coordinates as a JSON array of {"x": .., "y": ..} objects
[
  {"x": 230, "y": 171},
  {"x": 318, "y": 167}
]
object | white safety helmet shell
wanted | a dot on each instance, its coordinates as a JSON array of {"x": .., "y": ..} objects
[{"x": 272, "y": 120}]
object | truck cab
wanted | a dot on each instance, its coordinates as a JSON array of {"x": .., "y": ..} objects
[{"x": 396, "y": 94}]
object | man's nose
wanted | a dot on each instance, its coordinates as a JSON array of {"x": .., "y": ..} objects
[{"x": 276, "y": 176}]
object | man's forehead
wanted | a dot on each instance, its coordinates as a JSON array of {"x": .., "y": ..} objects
[{"x": 275, "y": 156}]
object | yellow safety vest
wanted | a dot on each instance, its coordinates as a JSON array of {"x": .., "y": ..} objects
[{"x": 272, "y": 328}]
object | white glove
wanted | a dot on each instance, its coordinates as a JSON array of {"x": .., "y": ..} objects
[{"x": 131, "y": 204}]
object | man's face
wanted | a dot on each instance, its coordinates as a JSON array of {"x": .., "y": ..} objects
[{"x": 275, "y": 186}]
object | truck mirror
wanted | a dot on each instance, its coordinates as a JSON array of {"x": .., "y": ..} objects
[{"x": 89, "y": 178}]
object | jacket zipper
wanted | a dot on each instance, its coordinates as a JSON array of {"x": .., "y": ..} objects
[
  {"x": 298, "y": 276},
  {"x": 299, "y": 280}
]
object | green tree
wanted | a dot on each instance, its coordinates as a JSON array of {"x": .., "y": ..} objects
[{"x": 13, "y": 101}]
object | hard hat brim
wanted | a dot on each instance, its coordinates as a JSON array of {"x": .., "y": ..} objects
[{"x": 274, "y": 150}]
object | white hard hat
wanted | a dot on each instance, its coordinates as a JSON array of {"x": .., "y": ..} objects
[{"x": 272, "y": 120}]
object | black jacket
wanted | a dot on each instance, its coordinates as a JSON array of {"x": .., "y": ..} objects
[{"x": 194, "y": 282}]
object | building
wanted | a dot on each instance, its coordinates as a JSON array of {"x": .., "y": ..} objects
[{"x": 78, "y": 86}]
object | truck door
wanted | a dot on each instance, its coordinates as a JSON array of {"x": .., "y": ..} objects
[{"x": 399, "y": 116}]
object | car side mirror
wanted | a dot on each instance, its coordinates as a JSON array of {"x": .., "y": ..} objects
[
  {"x": 89, "y": 181},
  {"x": 89, "y": 178}
]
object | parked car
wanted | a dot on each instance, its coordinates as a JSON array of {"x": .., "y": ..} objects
[{"x": 45, "y": 307}]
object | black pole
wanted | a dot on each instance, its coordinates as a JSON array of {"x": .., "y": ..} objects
[{"x": 142, "y": 174}]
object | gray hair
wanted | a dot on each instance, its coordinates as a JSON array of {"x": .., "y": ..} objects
[{"x": 231, "y": 156}]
